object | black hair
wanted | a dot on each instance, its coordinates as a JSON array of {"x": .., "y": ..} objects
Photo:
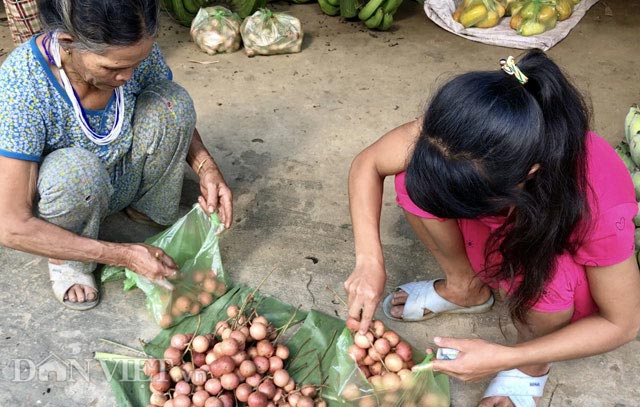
[
  {"x": 97, "y": 24},
  {"x": 481, "y": 135}
]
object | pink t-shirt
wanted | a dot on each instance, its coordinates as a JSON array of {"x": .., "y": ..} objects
[{"x": 609, "y": 240}]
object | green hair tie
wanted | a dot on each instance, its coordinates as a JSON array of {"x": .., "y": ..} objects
[{"x": 510, "y": 67}]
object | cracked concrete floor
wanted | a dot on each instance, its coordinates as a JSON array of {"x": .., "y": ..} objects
[{"x": 284, "y": 130}]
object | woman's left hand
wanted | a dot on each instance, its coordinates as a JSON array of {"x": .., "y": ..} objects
[
  {"x": 216, "y": 195},
  {"x": 477, "y": 358}
]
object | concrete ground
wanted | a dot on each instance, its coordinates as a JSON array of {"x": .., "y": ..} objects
[{"x": 284, "y": 130}]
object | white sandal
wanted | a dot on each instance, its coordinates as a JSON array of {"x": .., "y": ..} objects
[
  {"x": 518, "y": 386},
  {"x": 63, "y": 277},
  {"x": 421, "y": 296}
]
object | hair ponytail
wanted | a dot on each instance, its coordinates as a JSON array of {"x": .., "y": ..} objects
[{"x": 482, "y": 134}]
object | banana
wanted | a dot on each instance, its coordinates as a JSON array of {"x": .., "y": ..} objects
[
  {"x": 334, "y": 3},
  {"x": 632, "y": 123},
  {"x": 328, "y": 9},
  {"x": 190, "y": 6},
  {"x": 387, "y": 22},
  {"x": 375, "y": 20},
  {"x": 391, "y": 6},
  {"x": 182, "y": 15},
  {"x": 369, "y": 9},
  {"x": 349, "y": 8}
]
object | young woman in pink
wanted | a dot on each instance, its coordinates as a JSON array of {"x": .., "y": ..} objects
[{"x": 506, "y": 186}]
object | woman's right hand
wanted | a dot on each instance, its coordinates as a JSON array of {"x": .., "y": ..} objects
[
  {"x": 364, "y": 289},
  {"x": 150, "y": 261}
]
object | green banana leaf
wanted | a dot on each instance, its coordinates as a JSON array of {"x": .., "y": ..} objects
[
  {"x": 313, "y": 348},
  {"x": 128, "y": 382}
]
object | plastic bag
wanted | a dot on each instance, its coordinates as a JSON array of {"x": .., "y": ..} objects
[
  {"x": 192, "y": 242},
  {"x": 533, "y": 17},
  {"x": 419, "y": 386},
  {"x": 479, "y": 13},
  {"x": 268, "y": 33},
  {"x": 216, "y": 30}
]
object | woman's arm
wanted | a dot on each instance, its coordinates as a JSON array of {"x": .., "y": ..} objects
[
  {"x": 20, "y": 230},
  {"x": 216, "y": 195},
  {"x": 387, "y": 156},
  {"x": 616, "y": 291}
]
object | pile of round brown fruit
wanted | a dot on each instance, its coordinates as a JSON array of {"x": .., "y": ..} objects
[
  {"x": 383, "y": 358},
  {"x": 191, "y": 293},
  {"x": 239, "y": 364}
]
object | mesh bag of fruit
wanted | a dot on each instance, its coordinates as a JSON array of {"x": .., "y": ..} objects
[
  {"x": 216, "y": 30},
  {"x": 193, "y": 243},
  {"x": 269, "y": 33}
]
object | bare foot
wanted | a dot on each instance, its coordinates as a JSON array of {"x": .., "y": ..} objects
[
  {"x": 78, "y": 292},
  {"x": 465, "y": 298}
]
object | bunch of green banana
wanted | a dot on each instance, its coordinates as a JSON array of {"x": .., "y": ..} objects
[
  {"x": 330, "y": 7},
  {"x": 186, "y": 10},
  {"x": 378, "y": 14}
]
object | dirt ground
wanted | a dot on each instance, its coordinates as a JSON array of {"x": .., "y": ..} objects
[{"x": 284, "y": 130}]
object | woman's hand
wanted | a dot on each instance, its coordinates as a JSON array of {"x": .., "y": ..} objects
[
  {"x": 150, "y": 261},
  {"x": 364, "y": 288},
  {"x": 216, "y": 195},
  {"x": 477, "y": 358}
]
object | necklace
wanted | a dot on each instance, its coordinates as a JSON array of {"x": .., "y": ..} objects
[{"x": 51, "y": 48}]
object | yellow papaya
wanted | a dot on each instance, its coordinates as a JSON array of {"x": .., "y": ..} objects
[
  {"x": 529, "y": 10},
  {"x": 500, "y": 9},
  {"x": 545, "y": 14},
  {"x": 493, "y": 18},
  {"x": 515, "y": 21},
  {"x": 531, "y": 27},
  {"x": 469, "y": 3},
  {"x": 564, "y": 8},
  {"x": 456, "y": 14},
  {"x": 473, "y": 15},
  {"x": 514, "y": 8}
]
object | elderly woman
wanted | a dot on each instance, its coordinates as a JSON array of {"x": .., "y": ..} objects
[{"x": 91, "y": 124}]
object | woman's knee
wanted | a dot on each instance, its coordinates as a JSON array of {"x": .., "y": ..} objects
[
  {"x": 167, "y": 99},
  {"x": 72, "y": 180}
]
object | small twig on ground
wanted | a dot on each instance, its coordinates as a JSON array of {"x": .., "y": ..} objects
[
  {"x": 337, "y": 296},
  {"x": 123, "y": 346}
]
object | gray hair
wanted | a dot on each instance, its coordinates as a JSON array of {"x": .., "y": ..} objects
[{"x": 96, "y": 25}]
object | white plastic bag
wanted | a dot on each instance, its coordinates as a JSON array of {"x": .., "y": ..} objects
[
  {"x": 269, "y": 33},
  {"x": 216, "y": 30}
]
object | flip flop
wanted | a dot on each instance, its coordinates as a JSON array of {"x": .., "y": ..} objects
[
  {"x": 518, "y": 386},
  {"x": 422, "y": 295},
  {"x": 62, "y": 277}
]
